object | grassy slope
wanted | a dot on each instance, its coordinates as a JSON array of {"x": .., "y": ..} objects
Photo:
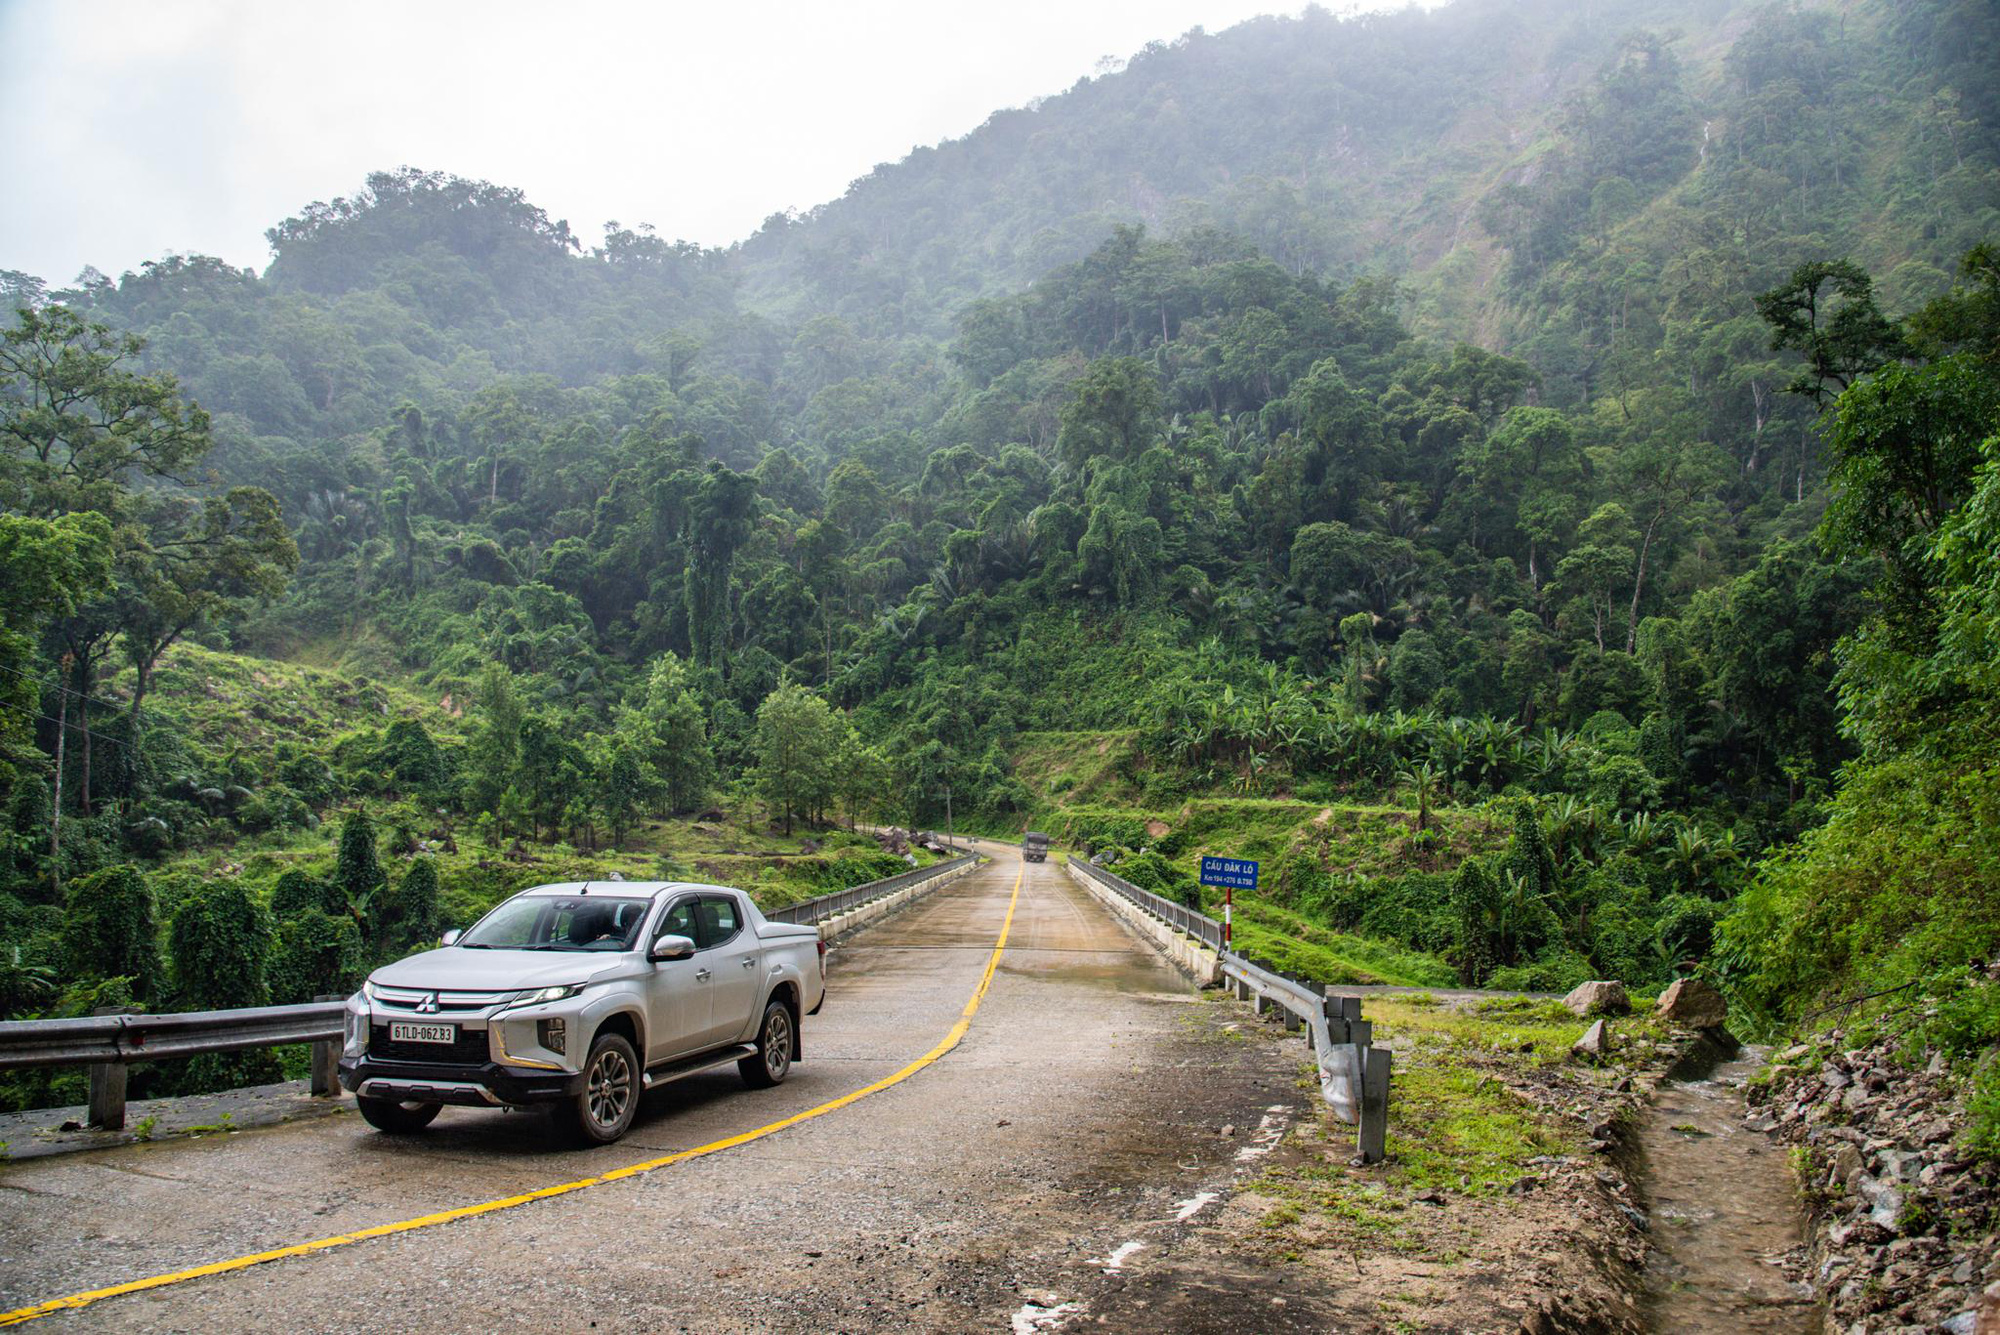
[
  {"x": 235, "y": 709},
  {"x": 1089, "y": 787}
]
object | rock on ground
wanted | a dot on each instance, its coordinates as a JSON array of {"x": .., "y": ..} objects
[
  {"x": 1905, "y": 1222},
  {"x": 1595, "y": 1043},
  {"x": 1691, "y": 1001},
  {"x": 1604, "y": 997}
]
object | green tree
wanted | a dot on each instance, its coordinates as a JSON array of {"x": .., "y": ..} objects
[
  {"x": 77, "y": 423},
  {"x": 49, "y": 569},
  {"x": 1113, "y": 414},
  {"x": 670, "y": 730},
  {"x": 798, "y": 753},
  {"x": 201, "y": 562},
  {"x": 1475, "y": 910},
  {"x": 1826, "y": 312},
  {"x": 620, "y": 786},
  {"x": 494, "y": 755},
  {"x": 718, "y": 523},
  {"x": 297, "y": 892}
]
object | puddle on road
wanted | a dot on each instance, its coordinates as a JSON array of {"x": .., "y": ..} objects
[
  {"x": 1724, "y": 1211},
  {"x": 1132, "y": 973}
]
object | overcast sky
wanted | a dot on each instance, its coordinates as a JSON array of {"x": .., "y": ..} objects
[{"x": 134, "y": 128}]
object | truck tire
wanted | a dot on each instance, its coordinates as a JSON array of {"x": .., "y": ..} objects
[
  {"x": 603, "y": 1109},
  {"x": 398, "y": 1119},
  {"x": 774, "y": 1049}
]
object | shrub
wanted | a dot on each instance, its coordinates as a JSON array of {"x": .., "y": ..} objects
[
  {"x": 108, "y": 929},
  {"x": 315, "y": 955},
  {"x": 220, "y": 942},
  {"x": 410, "y": 912},
  {"x": 1150, "y": 871},
  {"x": 297, "y": 893}
]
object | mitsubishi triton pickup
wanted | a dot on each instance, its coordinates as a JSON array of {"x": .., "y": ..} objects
[{"x": 581, "y": 997}]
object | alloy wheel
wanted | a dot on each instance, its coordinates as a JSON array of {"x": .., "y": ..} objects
[{"x": 610, "y": 1087}]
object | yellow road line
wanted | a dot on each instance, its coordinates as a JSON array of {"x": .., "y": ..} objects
[{"x": 946, "y": 1044}]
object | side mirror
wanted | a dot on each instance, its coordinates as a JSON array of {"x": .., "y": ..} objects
[
  {"x": 671, "y": 948},
  {"x": 449, "y": 938}
]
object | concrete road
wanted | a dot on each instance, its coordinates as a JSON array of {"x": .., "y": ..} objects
[{"x": 1074, "y": 1133}]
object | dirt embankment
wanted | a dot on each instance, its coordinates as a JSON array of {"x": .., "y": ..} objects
[{"x": 1505, "y": 1203}]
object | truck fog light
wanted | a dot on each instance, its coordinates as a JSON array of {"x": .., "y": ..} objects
[{"x": 552, "y": 1034}]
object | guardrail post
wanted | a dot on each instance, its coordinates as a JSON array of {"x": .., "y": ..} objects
[
  {"x": 107, "y": 1084},
  {"x": 1374, "y": 1103},
  {"x": 326, "y": 1060},
  {"x": 1335, "y": 1013},
  {"x": 1292, "y": 1022}
]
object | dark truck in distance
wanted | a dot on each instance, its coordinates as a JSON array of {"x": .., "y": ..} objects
[{"x": 1035, "y": 847}]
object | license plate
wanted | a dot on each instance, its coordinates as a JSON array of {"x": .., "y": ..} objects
[{"x": 423, "y": 1033}]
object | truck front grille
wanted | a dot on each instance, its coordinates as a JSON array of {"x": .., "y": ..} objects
[{"x": 469, "y": 1050}]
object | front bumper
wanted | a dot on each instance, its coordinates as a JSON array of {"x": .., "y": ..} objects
[{"x": 487, "y": 1085}]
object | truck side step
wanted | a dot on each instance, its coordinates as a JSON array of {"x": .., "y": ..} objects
[{"x": 702, "y": 1061}]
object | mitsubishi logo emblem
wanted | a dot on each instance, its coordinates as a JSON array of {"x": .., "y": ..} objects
[{"x": 428, "y": 1003}]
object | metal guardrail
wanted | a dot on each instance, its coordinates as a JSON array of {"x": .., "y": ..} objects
[
  {"x": 1182, "y": 918},
  {"x": 110, "y": 1042},
  {"x": 810, "y": 911},
  {"x": 1354, "y": 1073}
]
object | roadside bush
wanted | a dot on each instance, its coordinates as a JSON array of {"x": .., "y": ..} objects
[
  {"x": 220, "y": 942},
  {"x": 108, "y": 930},
  {"x": 314, "y": 955},
  {"x": 1150, "y": 871},
  {"x": 1554, "y": 971},
  {"x": 410, "y": 911}
]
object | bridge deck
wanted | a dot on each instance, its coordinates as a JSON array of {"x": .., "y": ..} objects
[{"x": 1086, "y": 1095}]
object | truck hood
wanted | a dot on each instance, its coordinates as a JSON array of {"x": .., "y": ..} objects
[{"x": 458, "y": 969}]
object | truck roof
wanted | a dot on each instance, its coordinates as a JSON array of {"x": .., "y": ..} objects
[{"x": 630, "y": 889}]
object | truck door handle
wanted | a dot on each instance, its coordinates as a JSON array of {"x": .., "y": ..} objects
[
  {"x": 701, "y": 975},
  {"x": 749, "y": 961}
]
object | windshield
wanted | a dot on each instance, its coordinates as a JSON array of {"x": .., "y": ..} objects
[{"x": 549, "y": 922}]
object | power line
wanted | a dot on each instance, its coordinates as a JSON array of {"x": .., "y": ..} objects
[
  {"x": 78, "y": 724},
  {"x": 30, "y": 676},
  {"x": 116, "y": 706}
]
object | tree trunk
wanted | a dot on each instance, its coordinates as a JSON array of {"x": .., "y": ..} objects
[
  {"x": 1639, "y": 581},
  {"x": 83, "y": 715},
  {"x": 55, "y": 818}
]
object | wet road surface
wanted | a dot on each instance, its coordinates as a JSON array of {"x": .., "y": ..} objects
[{"x": 1080, "y": 1112}]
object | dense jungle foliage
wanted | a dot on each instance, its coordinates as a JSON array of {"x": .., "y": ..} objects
[{"x": 1567, "y": 432}]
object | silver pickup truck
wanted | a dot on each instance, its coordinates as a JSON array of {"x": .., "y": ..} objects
[{"x": 582, "y": 996}]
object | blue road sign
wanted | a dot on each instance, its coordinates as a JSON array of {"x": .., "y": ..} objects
[{"x": 1233, "y": 872}]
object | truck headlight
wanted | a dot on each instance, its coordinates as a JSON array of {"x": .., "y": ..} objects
[{"x": 545, "y": 994}]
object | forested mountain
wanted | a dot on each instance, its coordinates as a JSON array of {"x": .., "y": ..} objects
[{"x": 1576, "y": 415}]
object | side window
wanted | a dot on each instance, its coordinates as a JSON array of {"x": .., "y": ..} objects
[
  {"x": 715, "y": 921},
  {"x": 677, "y": 921}
]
